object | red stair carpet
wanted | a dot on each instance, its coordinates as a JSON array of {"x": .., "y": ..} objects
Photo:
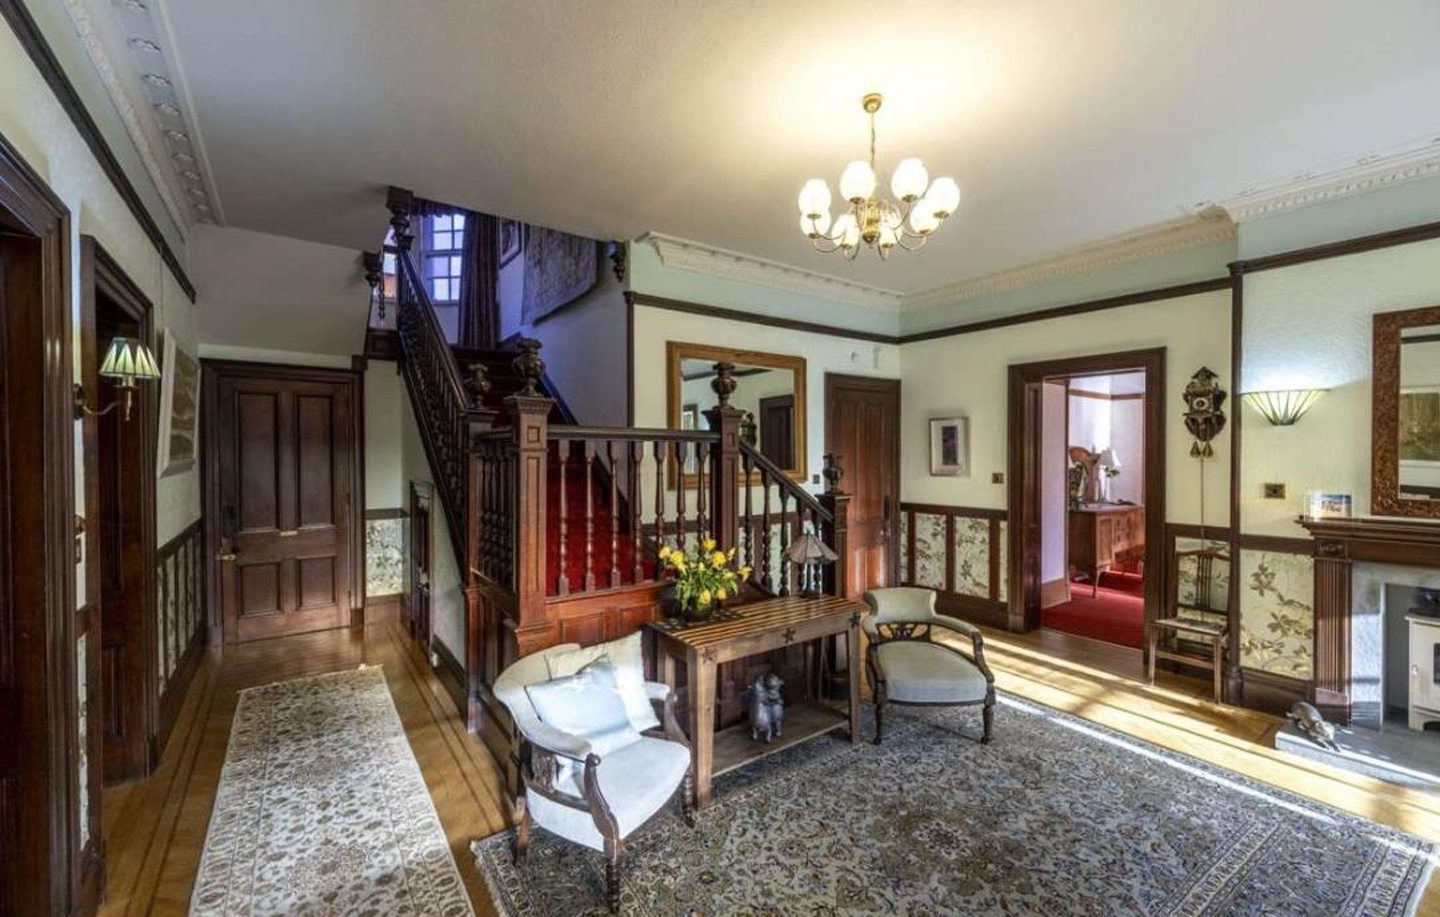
[{"x": 1115, "y": 614}]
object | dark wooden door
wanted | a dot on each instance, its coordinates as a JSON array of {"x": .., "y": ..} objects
[
  {"x": 777, "y": 429},
  {"x": 420, "y": 554},
  {"x": 862, "y": 428},
  {"x": 285, "y": 475}
]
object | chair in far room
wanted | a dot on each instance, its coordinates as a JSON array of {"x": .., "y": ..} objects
[{"x": 908, "y": 664}]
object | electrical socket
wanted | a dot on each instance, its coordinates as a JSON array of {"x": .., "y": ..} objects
[
  {"x": 1274, "y": 491},
  {"x": 997, "y": 478}
]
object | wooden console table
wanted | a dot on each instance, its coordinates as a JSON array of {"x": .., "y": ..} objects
[
  {"x": 1102, "y": 534},
  {"x": 758, "y": 627}
]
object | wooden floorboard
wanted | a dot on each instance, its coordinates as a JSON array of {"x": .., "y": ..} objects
[{"x": 155, "y": 829}]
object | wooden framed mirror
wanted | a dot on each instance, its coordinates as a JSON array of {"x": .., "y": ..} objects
[
  {"x": 770, "y": 390},
  {"x": 1405, "y": 440}
]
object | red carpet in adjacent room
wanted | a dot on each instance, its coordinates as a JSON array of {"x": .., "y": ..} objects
[{"x": 1116, "y": 613}]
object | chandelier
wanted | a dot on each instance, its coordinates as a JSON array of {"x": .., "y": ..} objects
[{"x": 874, "y": 220}]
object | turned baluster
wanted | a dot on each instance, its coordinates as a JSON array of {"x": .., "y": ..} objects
[
  {"x": 681, "y": 457},
  {"x": 589, "y": 515},
  {"x": 747, "y": 550},
  {"x": 765, "y": 545},
  {"x": 562, "y": 585},
  {"x": 700, "y": 454},
  {"x": 660, "y": 449},
  {"x": 786, "y": 536},
  {"x": 637, "y": 455},
  {"x": 614, "y": 513}
]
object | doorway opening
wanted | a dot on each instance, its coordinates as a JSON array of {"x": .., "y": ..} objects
[{"x": 1087, "y": 473}]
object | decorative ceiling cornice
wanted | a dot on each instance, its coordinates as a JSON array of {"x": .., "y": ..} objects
[
  {"x": 720, "y": 262},
  {"x": 130, "y": 46},
  {"x": 1162, "y": 238},
  {"x": 1418, "y": 159}
]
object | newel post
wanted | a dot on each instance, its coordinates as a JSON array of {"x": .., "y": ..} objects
[
  {"x": 725, "y": 460},
  {"x": 530, "y": 411},
  {"x": 837, "y": 575},
  {"x": 479, "y": 419}
]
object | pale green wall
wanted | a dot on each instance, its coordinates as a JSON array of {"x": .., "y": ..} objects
[{"x": 1407, "y": 204}]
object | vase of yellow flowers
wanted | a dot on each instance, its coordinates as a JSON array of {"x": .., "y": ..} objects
[{"x": 704, "y": 577}]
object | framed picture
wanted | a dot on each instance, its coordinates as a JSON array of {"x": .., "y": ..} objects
[
  {"x": 950, "y": 447},
  {"x": 690, "y": 417},
  {"x": 179, "y": 437},
  {"x": 512, "y": 239},
  {"x": 1420, "y": 426},
  {"x": 1321, "y": 505}
]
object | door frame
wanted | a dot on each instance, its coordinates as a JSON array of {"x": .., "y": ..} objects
[
  {"x": 1023, "y": 435},
  {"x": 210, "y": 372},
  {"x": 40, "y": 856},
  {"x": 887, "y": 385},
  {"x": 421, "y": 506},
  {"x": 101, "y": 274}
]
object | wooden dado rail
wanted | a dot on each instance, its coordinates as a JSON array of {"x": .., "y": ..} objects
[{"x": 987, "y": 604}]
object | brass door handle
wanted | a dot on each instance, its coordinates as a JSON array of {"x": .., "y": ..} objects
[
  {"x": 288, "y": 533},
  {"x": 225, "y": 558}
]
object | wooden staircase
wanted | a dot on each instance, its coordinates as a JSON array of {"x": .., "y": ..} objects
[{"x": 557, "y": 525}]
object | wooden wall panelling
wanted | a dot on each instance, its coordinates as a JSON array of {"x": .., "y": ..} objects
[
  {"x": 988, "y": 609},
  {"x": 180, "y": 576}
]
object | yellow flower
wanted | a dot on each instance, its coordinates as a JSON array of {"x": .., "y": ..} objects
[
  {"x": 720, "y": 594},
  {"x": 703, "y": 598},
  {"x": 664, "y": 552},
  {"x": 731, "y": 555},
  {"x": 744, "y": 572},
  {"x": 708, "y": 544},
  {"x": 718, "y": 559}
]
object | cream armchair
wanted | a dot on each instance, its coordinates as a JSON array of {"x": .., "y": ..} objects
[
  {"x": 908, "y": 664},
  {"x": 592, "y": 800}
]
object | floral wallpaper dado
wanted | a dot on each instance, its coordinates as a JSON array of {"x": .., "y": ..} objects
[
  {"x": 1277, "y": 613},
  {"x": 972, "y": 557},
  {"x": 972, "y": 554},
  {"x": 384, "y": 556},
  {"x": 1188, "y": 586}
]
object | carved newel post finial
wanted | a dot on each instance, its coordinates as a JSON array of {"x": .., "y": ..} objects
[
  {"x": 724, "y": 384},
  {"x": 832, "y": 473},
  {"x": 478, "y": 384},
  {"x": 529, "y": 365},
  {"x": 400, "y": 203}
]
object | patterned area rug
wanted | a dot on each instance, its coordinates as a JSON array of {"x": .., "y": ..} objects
[
  {"x": 1058, "y": 816},
  {"x": 322, "y": 809}
]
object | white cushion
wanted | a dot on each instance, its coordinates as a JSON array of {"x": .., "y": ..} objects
[
  {"x": 898, "y": 603},
  {"x": 586, "y": 704},
  {"x": 635, "y": 780},
  {"x": 627, "y": 656},
  {"x": 918, "y": 672}
]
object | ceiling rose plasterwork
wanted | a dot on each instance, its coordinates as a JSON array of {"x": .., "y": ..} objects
[
  {"x": 1372, "y": 172},
  {"x": 129, "y": 45},
  {"x": 720, "y": 262}
]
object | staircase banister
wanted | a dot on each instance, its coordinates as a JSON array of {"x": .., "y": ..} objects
[
  {"x": 784, "y": 481},
  {"x": 404, "y": 262},
  {"x": 631, "y": 434}
]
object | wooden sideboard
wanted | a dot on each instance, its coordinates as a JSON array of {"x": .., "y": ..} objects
[{"x": 1103, "y": 534}]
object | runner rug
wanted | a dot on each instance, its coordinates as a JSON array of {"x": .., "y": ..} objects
[
  {"x": 322, "y": 809},
  {"x": 1057, "y": 816}
]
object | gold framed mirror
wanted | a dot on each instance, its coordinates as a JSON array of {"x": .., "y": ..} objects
[
  {"x": 770, "y": 390},
  {"x": 1405, "y": 439}
]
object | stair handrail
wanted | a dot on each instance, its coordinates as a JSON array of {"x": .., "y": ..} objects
[{"x": 783, "y": 480}]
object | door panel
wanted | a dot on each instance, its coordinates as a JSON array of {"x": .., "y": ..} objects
[
  {"x": 863, "y": 429},
  {"x": 285, "y": 469}
]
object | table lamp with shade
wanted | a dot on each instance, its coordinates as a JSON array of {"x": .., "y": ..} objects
[
  {"x": 809, "y": 552},
  {"x": 127, "y": 361},
  {"x": 1108, "y": 459}
]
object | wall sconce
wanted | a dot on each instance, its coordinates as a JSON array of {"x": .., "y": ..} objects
[
  {"x": 1283, "y": 408},
  {"x": 126, "y": 362}
]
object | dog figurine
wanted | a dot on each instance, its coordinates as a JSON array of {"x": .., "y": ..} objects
[{"x": 767, "y": 708}]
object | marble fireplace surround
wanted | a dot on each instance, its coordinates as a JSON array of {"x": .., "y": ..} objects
[{"x": 1355, "y": 559}]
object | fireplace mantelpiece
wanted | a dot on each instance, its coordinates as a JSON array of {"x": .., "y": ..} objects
[{"x": 1339, "y": 545}]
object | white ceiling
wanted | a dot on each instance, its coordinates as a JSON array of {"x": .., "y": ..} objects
[{"x": 1065, "y": 121}]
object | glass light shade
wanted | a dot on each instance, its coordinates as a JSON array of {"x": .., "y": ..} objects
[
  {"x": 888, "y": 236},
  {"x": 923, "y": 220},
  {"x": 1109, "y": 459},
  {"x": 846, "y": 231},
  {"x": 814, "y": 227},
  {"x": 129, "y": 360},
  {"x": 909, "y": 180},
  {"x": 944, "y": 197},
  {"x": 814, "y": 198},
  {"x": 857, "y": 182},
  {"x": 1283, "y": 408}
]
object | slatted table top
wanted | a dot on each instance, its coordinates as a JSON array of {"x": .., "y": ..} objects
[{"x": 765, "y": 616}]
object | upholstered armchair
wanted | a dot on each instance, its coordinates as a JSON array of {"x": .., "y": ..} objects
[
  {"x": 573, "y": 790},
  {"x": 907, "y": 663}
]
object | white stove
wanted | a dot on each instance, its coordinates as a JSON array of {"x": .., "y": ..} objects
[{"x": 1424, "y": 704}]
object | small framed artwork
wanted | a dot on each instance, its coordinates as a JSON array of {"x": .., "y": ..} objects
[
  {"x": 1321, "y": 505},
  {"x": 179, "y": 410},
  {"x": 690, "y": 417},
  {"x": 511, "y": 240},
  {"x": 950, "y": 447}
]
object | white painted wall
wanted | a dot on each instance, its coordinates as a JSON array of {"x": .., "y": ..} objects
[
  {"x": 385, "y": 396},
  {"x": 263, "y": 291},
  {"x": 1054, "y": 502},
  {"x": 966, "y": 375},
  {"x": 447, "y": 601},
  {"x": 1127, "y": 438},
  {"x": 1309, "y": 326}
]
